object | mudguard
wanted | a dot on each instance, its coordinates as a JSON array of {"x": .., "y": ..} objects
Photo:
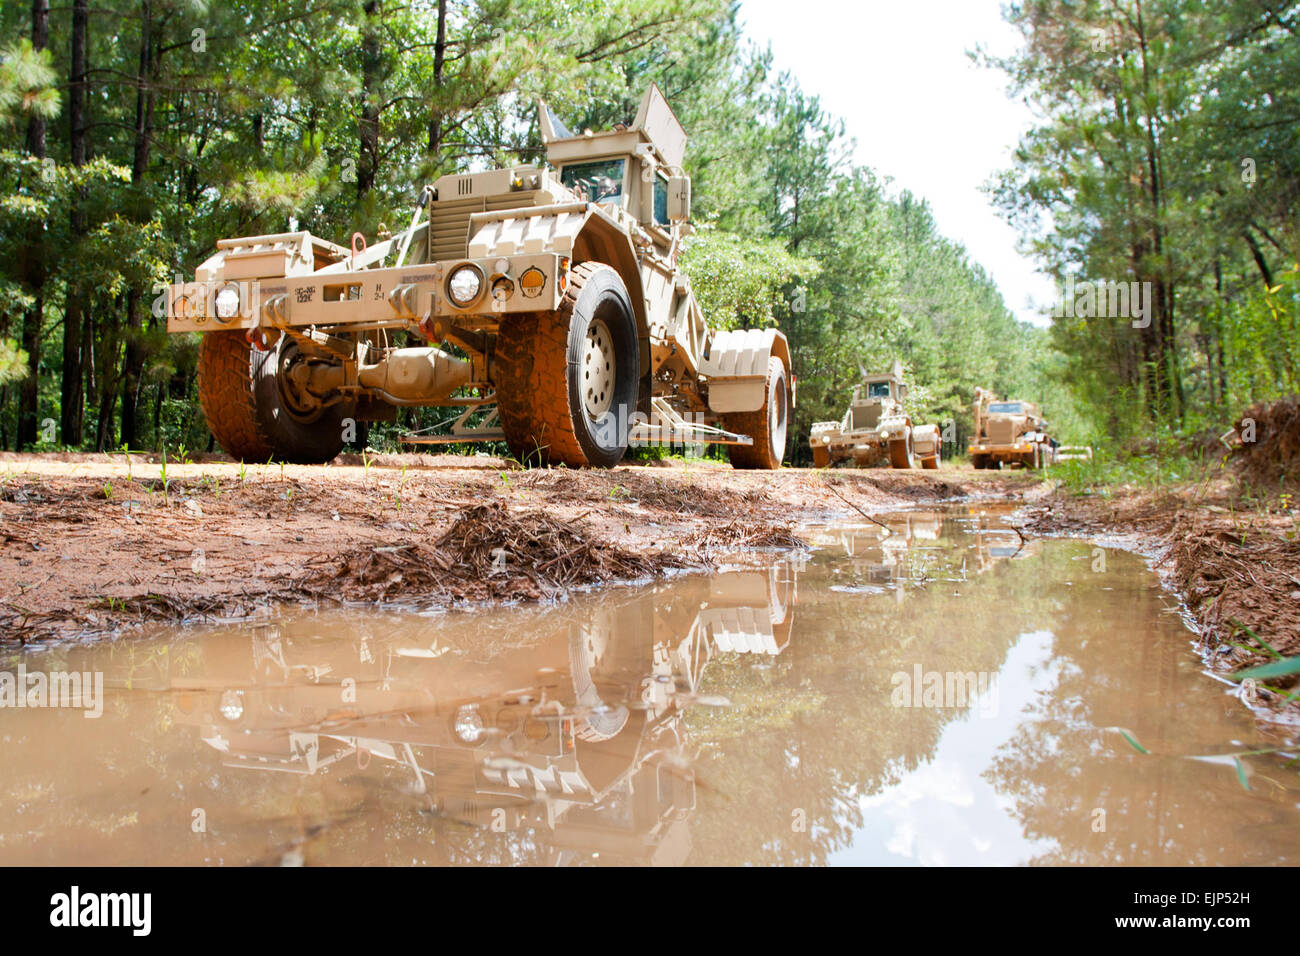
[{"x": 735, "y": 365}]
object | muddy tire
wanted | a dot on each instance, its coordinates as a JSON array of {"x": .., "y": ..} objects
[
  {"x": 767, "y": 426},
  {"x": 309, "y": 434},
  {"x": 567, "y": 381},
  {"x": 900, "y": 452},
  {"x": 227, "y": 396},
  {"x": 821, "y": 456},
  {"x": 931, "y": 462}
]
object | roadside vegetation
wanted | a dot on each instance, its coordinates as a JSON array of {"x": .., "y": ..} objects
[
  {"x": 1168, "y": 156},
  {"x": 134, "y": 137}
]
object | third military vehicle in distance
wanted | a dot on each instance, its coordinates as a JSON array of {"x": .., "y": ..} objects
[
  {"x": 876, "y": 427},
  {"x": 1009, "y": 433},
  {"x": 545, "y": 302}
]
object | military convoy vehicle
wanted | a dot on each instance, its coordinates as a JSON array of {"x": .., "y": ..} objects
[
  {"x": 876, "y": 427},
  {"x": 1009, "y": 433},
  {"x": 547, "y": 301}
]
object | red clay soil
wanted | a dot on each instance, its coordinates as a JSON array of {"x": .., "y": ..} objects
[
  {"x": 93, "y": 544},
  {"x": 1268, "y": 459}
]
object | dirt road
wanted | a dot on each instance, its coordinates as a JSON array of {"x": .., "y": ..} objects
[
  {"x": 96, "y": 545},
  {"x": 93, "y": 544}
]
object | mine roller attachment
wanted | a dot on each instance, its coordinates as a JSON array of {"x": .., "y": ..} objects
[{"x": 568, "y": 379}]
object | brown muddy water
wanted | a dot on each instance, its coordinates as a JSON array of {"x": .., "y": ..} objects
[{"x": 936, "y": 695}]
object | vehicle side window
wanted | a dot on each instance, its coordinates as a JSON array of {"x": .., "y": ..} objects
[{"x": 661, "y": 201}]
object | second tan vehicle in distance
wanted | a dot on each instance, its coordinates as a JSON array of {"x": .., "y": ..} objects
[
  {"x": 876, "y": 428},
  {"x": 546, "y": 300},
  {"x": 1009, "y": 433}
]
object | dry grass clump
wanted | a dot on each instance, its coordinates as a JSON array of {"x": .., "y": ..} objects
[{"x": 489, "y": 553}]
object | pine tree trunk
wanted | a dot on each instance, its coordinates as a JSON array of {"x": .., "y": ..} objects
[
  {"x": 34, "y": 264},
  {"x": 72, "y": 396},
  {"x": 144, "y": 107},
  {"x": 368, "y": 160},
  {"x": 439, "y": 66}
]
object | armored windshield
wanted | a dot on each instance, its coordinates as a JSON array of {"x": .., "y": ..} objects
[
  {"x": 1006, "y": 408},
  {"x": 599, "y": 181},
  {"x": 877, "y": 390}
]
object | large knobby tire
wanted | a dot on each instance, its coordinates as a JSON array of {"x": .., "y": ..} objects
[
  {"x": 931, "y": 462},
  {"x": 767, "y": 426},
  {"x": 821, "y": 456},
  {"x": 567, "y": 381},
  {"x": 309, "y": 435},
  {"x": 226, "y": 394},
  {"x": 900, "y": 452}
]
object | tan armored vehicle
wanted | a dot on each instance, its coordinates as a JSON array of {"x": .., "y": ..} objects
[
  {"x": 876, "y": 426},
  {"x": 1009, "y": 432},
  {"x": 549, "y": 304}
]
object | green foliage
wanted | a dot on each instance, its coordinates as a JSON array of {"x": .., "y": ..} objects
[
  {"x": 1167, "y": 154},
  {"x": 743, "y": 282},
  {"x": 26, "y": 83},
  {"x": 1152, "y": 464},
  {"x": 13, "y": 360},
  {"x": 1261, "y": 333}
]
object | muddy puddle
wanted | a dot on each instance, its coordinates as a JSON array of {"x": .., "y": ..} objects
[{"x": 941, "y": 693}]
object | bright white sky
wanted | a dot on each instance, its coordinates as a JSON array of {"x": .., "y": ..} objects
[{"x": 922, "y": 112}]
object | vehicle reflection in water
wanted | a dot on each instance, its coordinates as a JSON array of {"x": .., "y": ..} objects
[
  {"x": 884, "y": 555},
  {"x": 576, "y": 739},
  {"x": 698, "y": 720}
]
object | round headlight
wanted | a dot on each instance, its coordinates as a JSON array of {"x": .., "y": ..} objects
[
  {"x": 468, "y": 724},
  {"x": 465, "y": 285},
  {"x": 884, "y": 433},
  {"x": 227, "y": 302},
  {"x": 232, "y": 705}
]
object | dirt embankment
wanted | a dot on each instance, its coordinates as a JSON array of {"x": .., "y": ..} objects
[{"x": 92, "y": 544}]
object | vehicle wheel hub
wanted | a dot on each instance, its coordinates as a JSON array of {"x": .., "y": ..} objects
[
  {"x": 292, "y": 377},
  {"x": 598, "y": 370}
]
